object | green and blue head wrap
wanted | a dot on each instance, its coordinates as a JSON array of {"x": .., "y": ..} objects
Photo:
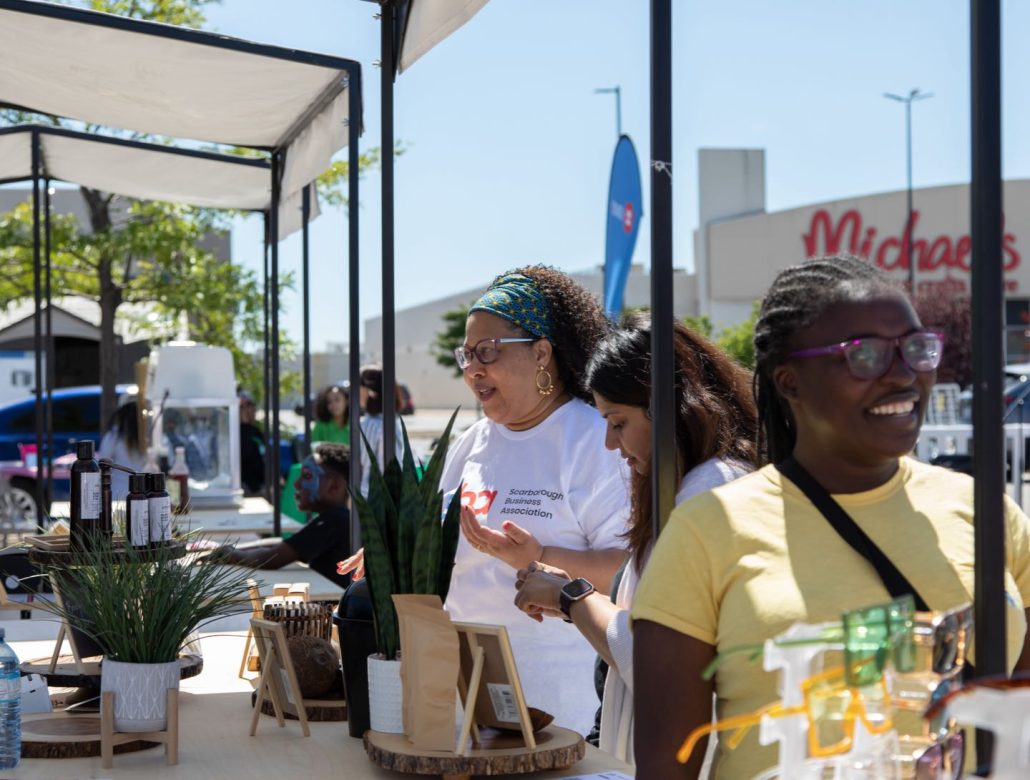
[{"x": 515, "y": 297}]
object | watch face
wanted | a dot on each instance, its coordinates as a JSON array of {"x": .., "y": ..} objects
[{"x": 577, "y": 588}]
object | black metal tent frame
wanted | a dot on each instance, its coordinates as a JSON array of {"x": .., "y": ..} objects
[
  {"x": 987, "y": 287},
  {"x": 352, "y": 69}
]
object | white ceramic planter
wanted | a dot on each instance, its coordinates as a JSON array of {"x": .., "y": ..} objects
[
  {"x": 385, "y": 695},
  {"x": 140, "y": 693}
]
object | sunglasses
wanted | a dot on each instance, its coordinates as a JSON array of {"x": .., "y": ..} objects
[
  {"x": 831, "y": 706},
  {"x": 869, "y": 635},
  {"x": 870, "y": 357},
  {"x": 485, "y": 351},
  {"x": 942, "y": 760}
]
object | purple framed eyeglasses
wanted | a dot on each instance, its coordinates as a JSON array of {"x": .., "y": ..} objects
[{"x": 870, "y": 357}]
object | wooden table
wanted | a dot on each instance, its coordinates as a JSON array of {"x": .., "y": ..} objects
[{"x": 214, "y": 717}]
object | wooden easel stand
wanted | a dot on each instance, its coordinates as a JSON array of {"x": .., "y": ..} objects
[{"x": 109, "y": 737}]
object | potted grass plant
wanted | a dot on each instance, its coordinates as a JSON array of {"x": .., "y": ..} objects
[
  {"x": 410, "y": 544},
  {"x": 141, "y": 606}
]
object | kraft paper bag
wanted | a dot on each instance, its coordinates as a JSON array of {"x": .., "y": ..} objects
[{"x": 429, "y": 671}]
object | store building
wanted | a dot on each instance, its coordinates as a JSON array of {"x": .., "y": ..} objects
[{"x": 740, "y": 247}]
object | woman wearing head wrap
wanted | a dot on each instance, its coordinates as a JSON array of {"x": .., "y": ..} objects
[{"x": 537, "y": 482}]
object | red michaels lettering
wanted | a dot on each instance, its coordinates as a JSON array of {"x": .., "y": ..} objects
[{"x": 851, "y": 236}]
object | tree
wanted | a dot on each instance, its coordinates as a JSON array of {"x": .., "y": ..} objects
[
  {"x": 134, "y": 252},
  {"x": 953, "y": 317},
  {"x": 451, "y": 337},
  {"x": 738, "y": 340}
]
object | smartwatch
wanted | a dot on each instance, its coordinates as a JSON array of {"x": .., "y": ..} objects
[{"x": 573, "y": 591}]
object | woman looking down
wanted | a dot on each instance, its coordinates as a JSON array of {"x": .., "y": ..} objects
[{"x": 715, "y": 443}]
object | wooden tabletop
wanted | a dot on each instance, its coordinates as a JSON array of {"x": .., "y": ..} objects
[{"x": 215, "y": 711}]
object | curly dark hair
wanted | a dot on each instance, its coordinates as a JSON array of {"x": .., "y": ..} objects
[
  {"x": 799, "y": 296},
  {"x": 715, "y": 413},
  {"x": 322, "y": 413},
  {"x": 577, "y": 323},
  {"x": 335, "y": 458}
]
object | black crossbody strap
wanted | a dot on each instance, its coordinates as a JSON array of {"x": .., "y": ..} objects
[{"x": 895, "y": 582}]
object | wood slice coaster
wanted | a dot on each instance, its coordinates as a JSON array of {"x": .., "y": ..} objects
[
  {"x": 65, "y": 675},
  {"x": 499, "y": 753},
  {"x": 318, "y": 710},
  {"x": 63, "y": 735}
]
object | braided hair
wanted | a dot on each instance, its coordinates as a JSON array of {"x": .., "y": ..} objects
[{"x": 799, "y": 296}]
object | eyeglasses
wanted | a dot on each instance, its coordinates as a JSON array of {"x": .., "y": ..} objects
[
  {"x": 485, "y": 351},
  {"x": 870, "y": 635},
  {"x": 942, "y": 760},
  {"x": 871, "y": 357},
  {"x": 831, "y": 707}
]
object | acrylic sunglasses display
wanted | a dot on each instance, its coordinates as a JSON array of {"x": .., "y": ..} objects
[{"x": 924, "y": 654}]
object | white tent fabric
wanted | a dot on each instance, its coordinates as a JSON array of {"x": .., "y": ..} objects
[
  {"x": 429, "y": 22},
  {"x": 15, "y": 156},
  {"x": 150, "y": 172},
  {"x": 153, "y": 78}
]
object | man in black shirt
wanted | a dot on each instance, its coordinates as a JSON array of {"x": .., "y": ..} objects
[{"x": 322, "y": 488}]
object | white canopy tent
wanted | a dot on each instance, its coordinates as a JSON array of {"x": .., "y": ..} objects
[
  {"x": 160, "y": 79},
  {"x": 425, "y": 23}
]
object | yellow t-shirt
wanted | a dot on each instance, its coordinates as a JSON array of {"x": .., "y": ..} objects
[{"x": 742, "y": 563}]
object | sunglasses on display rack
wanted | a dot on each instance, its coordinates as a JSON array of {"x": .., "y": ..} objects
[
  {"x": 870, "y": 357},
  {"x": 834, "y": 699},
  {"x": 941, "y": 640},
  {"x": 870, "y": 634},
  {"x": 831, "y": 706},
  {"x": 484, "y": 350}
]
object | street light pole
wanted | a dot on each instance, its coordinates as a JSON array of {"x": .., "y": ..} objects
[
  {"x": 617, "y": 91},
  {"x": 908, "y": 100}
]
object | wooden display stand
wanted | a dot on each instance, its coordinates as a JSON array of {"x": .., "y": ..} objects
[
  {"x": 109, "y": 737},
  {"x": 495, "y": 718}
]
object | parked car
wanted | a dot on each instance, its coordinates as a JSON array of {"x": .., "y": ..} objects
[
  {"x": 76, "y": 417},
  {"x": 407, "y": 402}
]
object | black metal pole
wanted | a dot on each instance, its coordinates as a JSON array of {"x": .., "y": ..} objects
[
  {"x": 273, "y": 239},
  {"x": 663, "y": 444},
  {"x": 37, "y": 324},
  {"x": 389, "y": 357},
  {"x": 49, "y": 367},
  {"x": 270, "y": 462},
  {"x": 305, "y": 248},
  {"x": 354, "y": 291},
  {"x": 987, "y": 304}
]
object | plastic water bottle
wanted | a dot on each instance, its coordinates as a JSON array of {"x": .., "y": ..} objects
[{"x": 10, "y": 706}]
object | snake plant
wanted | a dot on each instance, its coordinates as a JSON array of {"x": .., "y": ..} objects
[{"x": 407, "y": 547}]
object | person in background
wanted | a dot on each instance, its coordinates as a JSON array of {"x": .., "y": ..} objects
[
  {"x": 321, "y": 489},
  {"x": 843, "y": 375},
  {"x": 332, "y": 416},
  {"x": 252, "y": 448},
  {"x": 120, "y": 444},
  {"x": 716, "y": 429},
  {"x": 371, "y": 396}
]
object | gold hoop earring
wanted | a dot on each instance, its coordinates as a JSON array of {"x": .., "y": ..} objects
[{"x": 547, "y": 386}]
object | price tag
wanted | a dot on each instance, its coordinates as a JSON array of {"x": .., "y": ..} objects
[{"x": 502, "y": 697}]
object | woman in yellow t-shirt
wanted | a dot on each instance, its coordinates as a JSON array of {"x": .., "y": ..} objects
[
  {"x": 332, "y": 416},
  {"x": 843, "y": 371}
]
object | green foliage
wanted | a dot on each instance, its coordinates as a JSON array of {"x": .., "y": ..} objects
[
  {"x": 738, "y": 340},
  {"x": 141, "y": 605},
  {"x": 407, "y": 548},
  {"x": 451, "y": 337},
  {"x": 701, "y": 324}
]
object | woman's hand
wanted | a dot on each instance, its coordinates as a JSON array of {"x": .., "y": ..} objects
[
  {"x": 539, "y": 590},
  {"x": 356, "y": 564},
  {"x": 514, "y": 545}
]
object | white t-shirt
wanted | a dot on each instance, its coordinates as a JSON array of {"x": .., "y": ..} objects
[
  {"x": 372, "y": 427},
  {"x": 617, "y": 712},
  {"x": 559, "y": 482}
]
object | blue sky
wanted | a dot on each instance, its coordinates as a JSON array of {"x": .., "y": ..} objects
[{"x": 509, "y": 148}]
